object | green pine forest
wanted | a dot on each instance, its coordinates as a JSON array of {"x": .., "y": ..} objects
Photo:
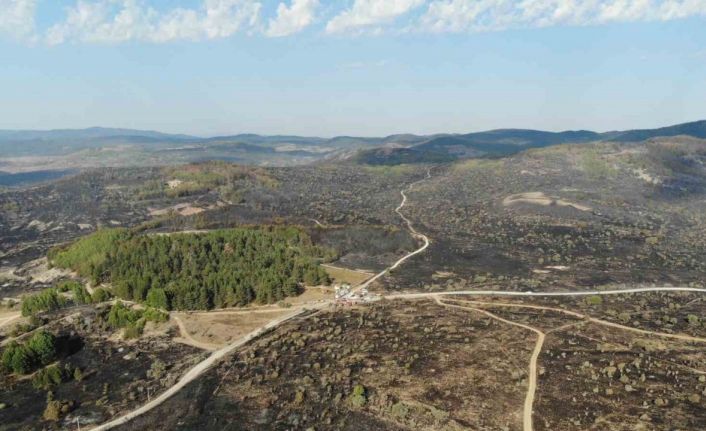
[{"x": 199, "y": 271}]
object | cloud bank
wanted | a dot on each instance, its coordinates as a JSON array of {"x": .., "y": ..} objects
[
  {"x": 494, "y": 15},
  {"x": 367, "y": 13},
  {"x": 117, "y": 21},
  {"x": 114, "y": 21},
  {"x": 17, "y": 18},
  {"x": 292, "y": 19}
]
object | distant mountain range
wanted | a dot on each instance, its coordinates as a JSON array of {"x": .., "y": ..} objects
[
  {"x": 282, "y": 149},
  {"x": 507, "y": 141}
]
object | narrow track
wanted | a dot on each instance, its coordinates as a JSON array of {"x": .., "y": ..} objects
[
  {"x": 532, "y": 368},
  {"x": 414, "y": 233},
  {"x": 532, "y": 382},
  {"x": 196, "y": 372},
  {"x": 218, "y": 355}
]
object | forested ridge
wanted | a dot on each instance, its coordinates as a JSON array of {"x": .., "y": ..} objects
[{"x": 230, "y": 267}]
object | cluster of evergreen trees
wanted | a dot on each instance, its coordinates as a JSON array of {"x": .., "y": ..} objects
[
  {"x": 47, "y": 300},
  {"x": 231, "y": 267},
  {"x": 39, "y": 351},
  {"x": 51, "y": 299},
  {"x": 132, "y": 320},
  {"x": 54, "y": 375}
]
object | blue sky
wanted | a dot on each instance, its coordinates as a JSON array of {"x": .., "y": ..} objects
[{"x": 358, "y": 67}]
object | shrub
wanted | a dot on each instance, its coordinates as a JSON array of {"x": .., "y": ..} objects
[
  {"x": 81, "y": 295},
  {"x": 46, "y": 300},
  {"x": 100, "y": 295},
  {"x": 43, "y": 347},
  {"x": 358, "y": 397},
  {"x": 17, "y": 358},
  {"x": 53, "y": 411},
  {"x": 154, "y": 315},
  {"x": 40, "y": 350},
  {"x": 120, "y": 316},
  {"x": 48, "y": 377},
  {"x": 134, "y": 330},
  {"x": 157, "y": 369},
  {"x": 56, "y": 409},
  {"x": 78, "y": 374},
  {"x": 594, "y": 300},
  {"x": 157, "y": 298}
]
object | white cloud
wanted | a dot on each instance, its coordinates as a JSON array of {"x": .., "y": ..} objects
[
  {"x": 292, "y": 19},
  {"x": 115, "y": 21},
  {"x": 490, "y": 15},
  {"x": 17, "y": 17},
  {"x": 112, "y": 21},
  {"x": 367, "y": 13}
]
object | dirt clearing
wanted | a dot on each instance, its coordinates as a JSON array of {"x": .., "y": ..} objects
[
  {"x": 539, "y": 198},
  {"x": 217, "y": 328},
  {"x": 343, "y": 275}
]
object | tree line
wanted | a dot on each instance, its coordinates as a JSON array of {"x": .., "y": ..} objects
[
  {"x": 53, "y": 298},
  {"x": 230, "y": 267},
  {"x": 37, "y": 352}
]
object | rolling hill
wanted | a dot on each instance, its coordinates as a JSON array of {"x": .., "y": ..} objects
[{"x": 33, "y": 150}]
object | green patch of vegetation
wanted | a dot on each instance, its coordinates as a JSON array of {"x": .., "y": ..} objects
[
  {"x": 594, "y": 300},
  {"x": 595, "y": 166},
  {"x": 400, "y": 156},
  {"x": 52, "y": 298},
  {"x": 391, "y": 171},
  {"x": 87, "y": 255},
  {"x": 10, "y": 207},
  {"x": 39, "y": 351},
  {"x": 131, "y": 320},
  {"x": 199, "y": 271},
  {"x": 80, "y": 293},
  {"x": 120, "y": 315},
  {"x": 100, "y": 294},
  {"x": 52, "y": 375},
  {"x": 200, "y": 178},
  {"x": 154, "y": 315},
  {"x": 47, "y": 300},
  {"x": 358, "y": 398}
]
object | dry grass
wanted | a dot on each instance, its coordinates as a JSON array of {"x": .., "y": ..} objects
[
  {"x": 312, "y": 294},
  {"x": 343, "y": 275},
  {"x": 222, "y": 327}
]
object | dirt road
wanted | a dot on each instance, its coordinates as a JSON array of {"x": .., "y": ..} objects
[
  {"x": 414, "y": 233},
  {"x": 532, "y": 369},
  {"x": 188, "y": 339},
  {"x": 197, "y": 371},
  {"x": 216, "y": 356}
]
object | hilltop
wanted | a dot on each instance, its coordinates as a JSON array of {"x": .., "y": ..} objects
[{"x": 65, "y": 150}]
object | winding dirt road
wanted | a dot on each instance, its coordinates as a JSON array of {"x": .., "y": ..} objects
[
  {"x": 216, "y": 356},
  {"x": 414, "y": 233},
  {"x": 197, "y": 371},
  {"x": 532, "y": 382},
  {"x": 532, "y": 369},
  {"x": 588, "y": 318}
]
